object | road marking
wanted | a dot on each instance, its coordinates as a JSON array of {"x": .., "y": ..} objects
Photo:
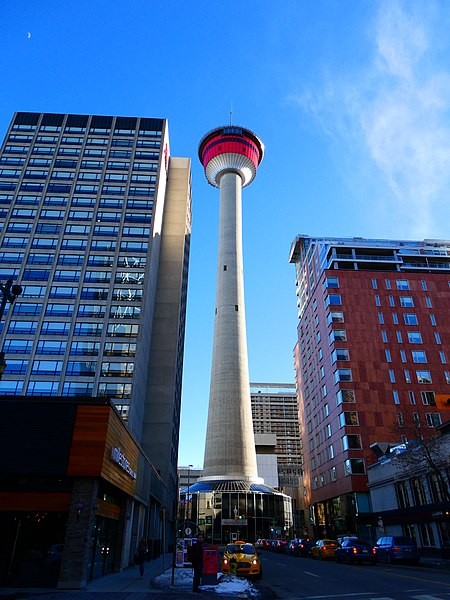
[
  {"x": 312, "y": 574},
  {"x": 339, "y": 595},
  {"x": 426, "y": 597}
]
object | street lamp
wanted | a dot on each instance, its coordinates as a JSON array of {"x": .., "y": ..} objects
[
  {"x": 189, "y": 484},
  {"x": 9, "y": 291}
]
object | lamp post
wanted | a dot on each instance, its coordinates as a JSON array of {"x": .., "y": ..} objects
[
  {"x": 9, "y": 291},
  {"x": 189, "y": 484}
]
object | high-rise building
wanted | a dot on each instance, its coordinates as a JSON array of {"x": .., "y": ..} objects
[
  {"x": 275, "y": 415},
  {"x": 371, "y": 359},
  {"x": 95, "y": 227},
  {"x": 230, "y": 156}
]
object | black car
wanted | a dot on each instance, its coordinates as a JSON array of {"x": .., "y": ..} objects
[
  {"x": 354, "y": 550},
  {"x": 304, "y": 547},
  {"x": 397, "y": 549}
]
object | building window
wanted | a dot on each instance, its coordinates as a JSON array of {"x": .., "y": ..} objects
[
  {"x": 428, "y": 398},
  {"x": 406, "y": 302},
  {"x": 424, "y": 285},
  {"x": 354, "y": 466},
  {"x": 437, "y": 338},
  {"x": 115, "y": 390},
  {"x": 412, "y": 397},
  {"x": 388, "y": 355},
  {"x": 403, "y": 356},
  {"x": 76, "y": 388},
  {"x": 345, "y": 396},
  {"x": 414, "y": 337},
  {"x": 402, "y": 495},
  {"x": 338, "y": 335},
  {"x": 423, "y": 377},
  {"x": 374, "y": 284},
  {"x": 402, "y": 284},
  {"x": 343, "y": 375},
  {"x": 381, "y": 318},
  {"x": 324, "y": 391},
  {"x": 391, "y": 301},
  {"x": 395, "y": 318},
  {"x": 419, "y": 356},
  {"x": 433, "y": 419},
  {"x": 377, "y": 300},
  {"x": 81, "y": 369},
  {"x": 396, "y": 397},
  {"x": 335, "y": 317},
  {"x": 447, "y": 376},
  {"x": 349, "y": 418},
  {"x": 436, "y": 487},
  {"x": 47, "y": 367},
  {"x": 428, "y": 302},
  {"x": 388, "y": 284},
  {"x": 391, "y": 375},
  {"x": 418, "y": 492},
  {"x": 400, "y": 419},
  {"x": 407, "y": 376},
  {"x": 384, "y": 336},
  {"x": 51, "y": 347},
  {"x": 340, "y": 354},
  {"x": 410, "y": 319},
  {"x": 351, "y": 442},
  {"x": 399, "y": 337},
  {"x": 433, "y": 319},
  {"x": 42, "y": 388},
  {"x": 333, "y": 299}
]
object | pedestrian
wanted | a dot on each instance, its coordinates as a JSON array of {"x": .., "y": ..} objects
[
  {"x": 197, "y": 562},
  {"x": 140, "y": 556}
]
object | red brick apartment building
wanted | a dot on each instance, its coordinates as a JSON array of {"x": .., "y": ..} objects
[{"x": 372, "y": 357}]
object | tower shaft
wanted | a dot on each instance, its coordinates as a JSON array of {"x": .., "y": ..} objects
[{"x": 230, "y": 450}]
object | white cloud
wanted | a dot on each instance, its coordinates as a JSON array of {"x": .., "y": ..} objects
[{"x": 396, "y": 113}]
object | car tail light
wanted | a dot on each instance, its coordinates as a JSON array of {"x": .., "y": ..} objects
[
  {"x": 225, "y": 561},
  {"x": 324, "y": 547},
  {"x": 395, "y": 549},
  {"x": 301, "y": 546},
  {"x": 374, "y": 550},
  {"x": 355, "y": 550}
]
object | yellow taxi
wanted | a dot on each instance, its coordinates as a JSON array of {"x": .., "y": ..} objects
[
  {"x": 324, "y": 549},
  {"x": 240, "y": 558}
]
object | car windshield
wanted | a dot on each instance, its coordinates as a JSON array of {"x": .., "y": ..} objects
[{"x": 240, "y": 548}]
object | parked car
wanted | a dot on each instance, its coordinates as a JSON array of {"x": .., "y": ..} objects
[
  {"x": 304, "y": 547},
  {"x": 260, "y": 543},
  {"x": 397, "y": 548},
  {"x": 292, "y": 547},
  {"x": 324, "y": 549},
  {"x": 354, "y": 550},
  {"x": 241, "y": 558}
]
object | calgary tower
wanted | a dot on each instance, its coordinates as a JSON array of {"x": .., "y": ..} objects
[{"x": 230, "y": 156}]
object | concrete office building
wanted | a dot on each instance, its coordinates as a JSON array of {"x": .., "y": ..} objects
[
  {"x": 371, "y": 358},
  {"x": 95, "y": 226},
  {"x": 275, "y": 416},
  {"x": 230, "y": 497}
]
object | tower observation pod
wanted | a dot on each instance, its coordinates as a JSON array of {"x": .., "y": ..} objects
[{"x": 230, "y": 156}]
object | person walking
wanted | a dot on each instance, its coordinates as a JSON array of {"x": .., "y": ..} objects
[
  {"x": 141, "y": 554},
  {"x": 197, "y": 562}
]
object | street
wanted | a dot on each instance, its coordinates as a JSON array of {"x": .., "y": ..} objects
[{"x": 287, "y": 577}]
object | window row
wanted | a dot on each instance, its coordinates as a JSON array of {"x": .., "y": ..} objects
[{"x": 69, "y": 388}]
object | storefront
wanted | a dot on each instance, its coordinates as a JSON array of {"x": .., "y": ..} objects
[
  {"x": 231, "y": 510},
  {"x": 72, "y": 502}
]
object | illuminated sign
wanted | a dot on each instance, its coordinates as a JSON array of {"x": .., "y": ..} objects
[{"x": 123, "y": 462}]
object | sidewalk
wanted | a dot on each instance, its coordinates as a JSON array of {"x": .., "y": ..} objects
[{"x": 127, "y": 585}]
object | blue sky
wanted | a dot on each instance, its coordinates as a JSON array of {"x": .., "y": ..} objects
[{"x": 350, "y": 97}]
